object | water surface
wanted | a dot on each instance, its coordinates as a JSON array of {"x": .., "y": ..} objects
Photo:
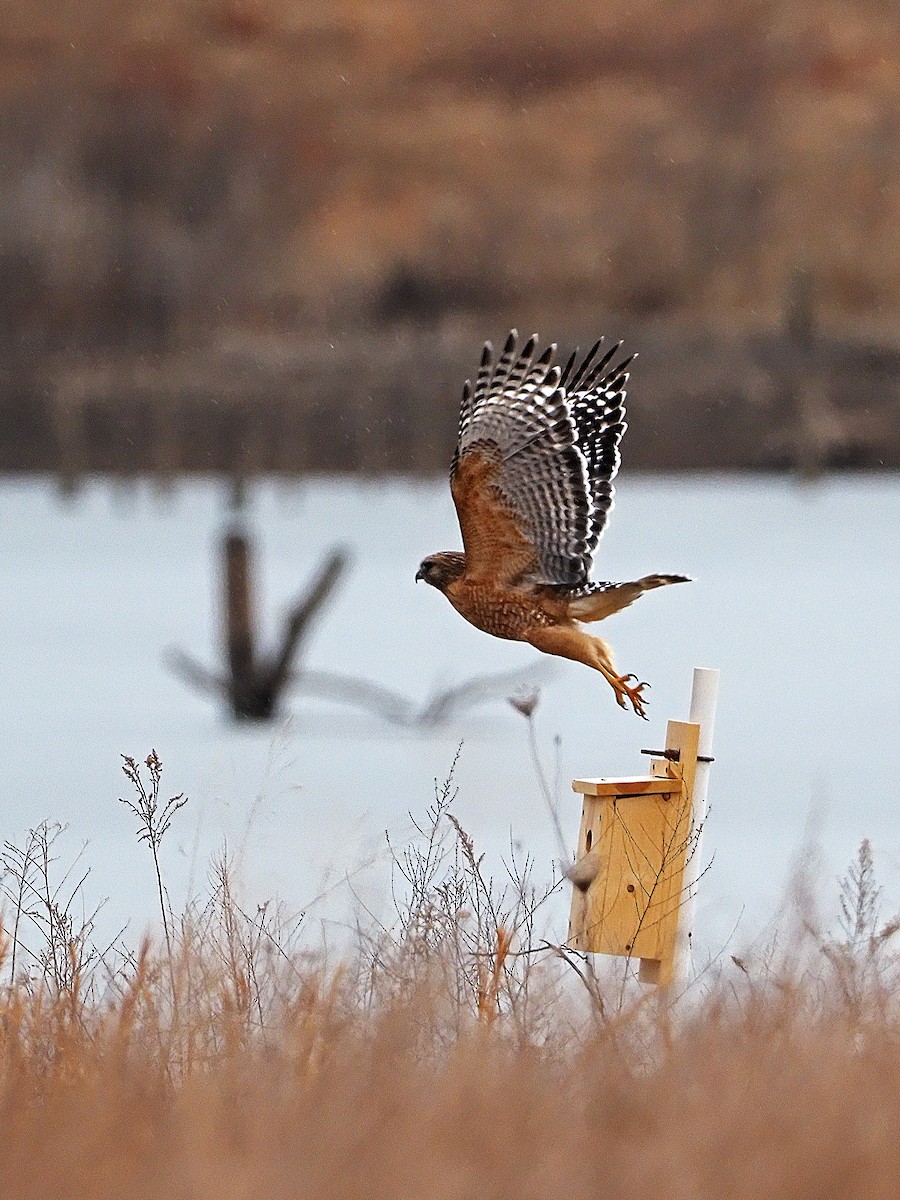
[{"x": 795, "y": 598}]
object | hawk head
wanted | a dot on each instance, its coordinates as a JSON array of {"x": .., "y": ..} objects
[{"x": 440, "y": 570}]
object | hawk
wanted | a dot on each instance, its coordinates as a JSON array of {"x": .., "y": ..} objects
[{"x": 531, "y": 479}]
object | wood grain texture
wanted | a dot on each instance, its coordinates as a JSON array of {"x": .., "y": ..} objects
[{"x": 637, "y": 830}]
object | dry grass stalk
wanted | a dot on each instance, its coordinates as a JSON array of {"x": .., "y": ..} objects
[{"x": 443, "y": 1057}]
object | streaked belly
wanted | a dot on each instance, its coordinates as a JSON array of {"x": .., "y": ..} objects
[{"x": 502, "y": 613}]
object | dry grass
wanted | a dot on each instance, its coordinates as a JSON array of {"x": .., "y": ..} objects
[{"x": 452, "y": 1054}]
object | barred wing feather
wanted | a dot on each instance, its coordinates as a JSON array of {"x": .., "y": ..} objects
[{"x": 536, "y": 454}]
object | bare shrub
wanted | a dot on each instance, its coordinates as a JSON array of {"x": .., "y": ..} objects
[
  {"x": 468, "y": 938},
  {"x": 51, "y": 940}
]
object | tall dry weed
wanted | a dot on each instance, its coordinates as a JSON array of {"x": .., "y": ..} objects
[{"x": 446, "y": 1055}]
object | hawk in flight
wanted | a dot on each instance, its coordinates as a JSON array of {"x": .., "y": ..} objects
[{"x": 531, "y": 479}]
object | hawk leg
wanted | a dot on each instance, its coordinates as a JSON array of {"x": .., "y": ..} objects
[{"x": 567, "y": 641}]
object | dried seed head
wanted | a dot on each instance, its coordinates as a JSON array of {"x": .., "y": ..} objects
[{"x": 526, "y": 702}]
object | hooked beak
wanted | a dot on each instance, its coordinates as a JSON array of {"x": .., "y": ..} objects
[{"x": 420, "y": 574}]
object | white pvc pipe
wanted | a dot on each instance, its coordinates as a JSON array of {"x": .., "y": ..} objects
[{"x": 703, "y": 713}]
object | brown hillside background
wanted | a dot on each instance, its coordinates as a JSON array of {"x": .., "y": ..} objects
[{"x": 243, "y": 193}]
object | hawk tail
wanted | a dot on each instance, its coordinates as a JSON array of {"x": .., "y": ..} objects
[{"x": 595, "y": 601}]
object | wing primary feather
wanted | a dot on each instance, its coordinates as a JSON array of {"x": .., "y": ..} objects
[
  {"x": 537, "y": 375},
  {"x": 520, "y": 368},
  {"x": 552, "y": 380},
  {"x": 505, "y": 362},
  {"x": 611, "y": 379},
  {"x": 619, "y": 370},
  {"x": 596, "y": 371},
  {"x": 626, "y": 363},
  {"x": 582, "y": 370},
  {"x": 465, "y": 407},
  {"x": 567, "y": 369},
  {"x": 483, "y": 378}
]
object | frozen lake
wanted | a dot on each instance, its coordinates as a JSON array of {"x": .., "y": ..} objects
[{"x": 796, "y": 598}]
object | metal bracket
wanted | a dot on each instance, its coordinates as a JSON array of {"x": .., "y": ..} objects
[{"x": 675, "y": 755}]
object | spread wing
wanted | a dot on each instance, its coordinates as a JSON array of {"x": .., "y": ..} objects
[{"x": 537, "y": 451}]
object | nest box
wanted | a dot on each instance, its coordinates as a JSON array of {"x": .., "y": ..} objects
[{"x": 636, "y": 840}]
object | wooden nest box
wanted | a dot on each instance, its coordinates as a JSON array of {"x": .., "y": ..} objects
[{"x": 638, "y": 854}]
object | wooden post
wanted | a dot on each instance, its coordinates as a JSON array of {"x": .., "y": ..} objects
[
  {"x": 637, "y": 859},
  {"x": 704, "y": 693},
  {"x": 239, "y": 620}
]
